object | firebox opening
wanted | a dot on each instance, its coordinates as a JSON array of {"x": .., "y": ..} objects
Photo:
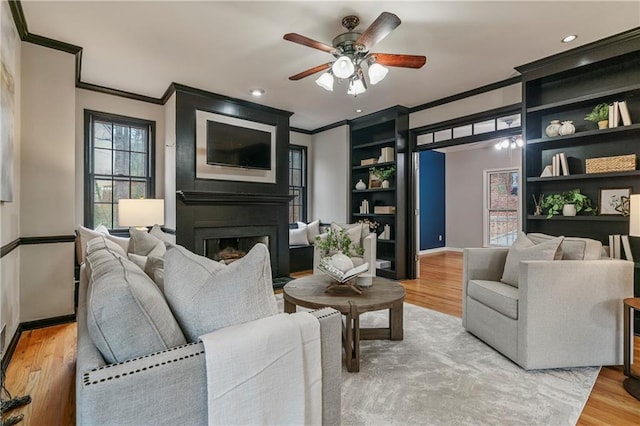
[{"x": 228, "y": 250}]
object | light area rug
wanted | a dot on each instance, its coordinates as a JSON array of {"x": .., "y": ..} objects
[{"x": 442, "y": 375}]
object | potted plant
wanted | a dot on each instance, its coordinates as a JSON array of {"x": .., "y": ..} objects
[
  {"x": 336, "y": 241},
  {"x": 383, "y": 174},
  {"x": 561, "y": 203},
  {"x": 600, "y": 115}
]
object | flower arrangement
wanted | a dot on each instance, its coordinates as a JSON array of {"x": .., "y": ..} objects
[{"x": 373, "y": 225}]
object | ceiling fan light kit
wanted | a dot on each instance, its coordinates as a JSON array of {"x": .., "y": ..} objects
[{"x": 351, "y": 50}]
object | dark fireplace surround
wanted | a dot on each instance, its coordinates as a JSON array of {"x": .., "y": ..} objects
[{"x": 209, "y": 209}]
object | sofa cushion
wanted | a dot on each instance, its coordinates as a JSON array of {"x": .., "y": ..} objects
[
  {"x": 206, "y": 295},
  {"x": 573, "y": 248},
  {"x": 127, "y": 316},
  {"x": 144, "y": 244},
  {"x": 298, "y": 237},
  {"x": 150, "y": 265},
  {"x": 157, "y": 232},
  {"x": 524, "y": 249},
  {"x": 498, "y": 296},
  {"x": 86, "y": 234}
]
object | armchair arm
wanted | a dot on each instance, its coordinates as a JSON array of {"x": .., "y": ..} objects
[
  {"x": 481, "y": 264},
  {"x": 369, "y": 243},
  {"x": 570, "y": 312}
]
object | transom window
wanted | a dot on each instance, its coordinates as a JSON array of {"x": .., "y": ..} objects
[
  {"x": 298, "y": 183},
  {"x": 119, "y": 163}
]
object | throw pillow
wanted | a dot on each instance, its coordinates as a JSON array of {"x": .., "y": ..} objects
[
  {"x": 354, "y": 231},
  {"x": 145, "y": 244},
  {"x": 127, "y": 316},
  {"x": 313, "y": 230},
  {"x": 206, "y": 295},
  {"x": 298, "y": 237},
  {"x": 525, "y": 249},
  {"x": 157, "y": 232},
  {"x": 85, "y": 235}
]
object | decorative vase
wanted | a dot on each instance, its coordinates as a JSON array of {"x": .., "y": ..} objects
[
  {"x": 569, "y": 210},
  {"x": 552, "y": 129},
  {"x": 341, "y": 261},
  {"x": 567, "y": 128},
  {"x": 604, "y": 124},
  {"x": 385, "y": 183},
  {"x": 361, "y": 185}
]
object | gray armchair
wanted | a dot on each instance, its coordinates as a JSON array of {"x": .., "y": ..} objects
[{"x": 563, "y": 313}]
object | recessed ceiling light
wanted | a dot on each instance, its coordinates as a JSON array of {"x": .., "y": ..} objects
[
  {"x": 569, "y": 38},
  {"x": 358, "y": 110},
  {"x": 257, "y": 92}
]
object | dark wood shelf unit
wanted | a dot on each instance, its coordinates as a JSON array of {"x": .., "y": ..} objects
[
  {"x": 566, "y": 87},
  {"x": 368, "y": 135}
]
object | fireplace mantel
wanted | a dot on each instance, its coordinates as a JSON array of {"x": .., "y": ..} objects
[{"x": 230, "y": 198}]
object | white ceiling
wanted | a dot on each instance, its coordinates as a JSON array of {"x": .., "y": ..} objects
[{"x": 230, "y": 47}]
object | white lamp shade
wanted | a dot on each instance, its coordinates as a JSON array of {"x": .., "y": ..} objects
[
  {"x": 634, "y": 215},
  {"x": 356, "y": 87},
  {"x": 140, "y": 212},
  {"x": 343, "y": 67},
  {"x": 325, "y": 81},
  {"x": 376, "y": 73}
]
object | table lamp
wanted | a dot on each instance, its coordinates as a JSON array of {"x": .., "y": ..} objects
[
  {"x": 632, "y": 383},
  {"x": 140, "y": 212}
]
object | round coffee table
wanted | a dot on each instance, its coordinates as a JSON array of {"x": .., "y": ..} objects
[{"x": 310, "y": 292}]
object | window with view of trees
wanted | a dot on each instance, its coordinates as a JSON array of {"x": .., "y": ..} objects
[
  {"x": 298, "y": 183},
  {"x": 501, "y": 207},
  {"x": 119, "y": 163}
]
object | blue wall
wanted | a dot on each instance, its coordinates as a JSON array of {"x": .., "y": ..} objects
[{"x": 432, "y": 202}]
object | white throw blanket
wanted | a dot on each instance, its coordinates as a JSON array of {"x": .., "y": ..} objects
[{"x": 266, "y": 371}]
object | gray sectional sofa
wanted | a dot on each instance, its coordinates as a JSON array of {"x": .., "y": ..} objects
[{"x": 158, "y": 386}]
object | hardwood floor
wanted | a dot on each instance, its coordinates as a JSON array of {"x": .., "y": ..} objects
[{"x": 44, "y": 362}]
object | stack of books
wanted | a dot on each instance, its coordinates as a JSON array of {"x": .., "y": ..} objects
[
  {"x": 618, "y": 110},
  {"x": 615, "y": 251}
]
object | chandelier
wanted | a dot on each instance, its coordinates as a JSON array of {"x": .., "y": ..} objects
[
  {"x": 511, "y": 142},
  {"x": 350, "y": 67}
]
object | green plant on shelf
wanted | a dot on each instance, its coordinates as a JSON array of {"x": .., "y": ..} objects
[
  {"x": 337, "y": 241},
  {"x": 552, "y": 204},
  {"x": 383, "y": 173},
  {"x": 600, "y": 112}
]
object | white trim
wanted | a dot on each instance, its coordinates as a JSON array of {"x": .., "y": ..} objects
[
  {"x": 440, "y": 249},
  {"x": 208, "y": 171}
]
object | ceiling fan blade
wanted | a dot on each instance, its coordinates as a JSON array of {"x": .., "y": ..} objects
[
  {"x": 379, "y": 29},
  {"x": 311, "y": 71},
  {"x": 306, "y": 41},
  {"x": 395, "y": 60}
]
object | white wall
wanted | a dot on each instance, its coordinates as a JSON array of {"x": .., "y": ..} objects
[
  {"x": 331, "y": 175},
  {"x": 464, "y": 171},
  {"x": 170, "y": 163},
  {"x": 101, "y": 102},
  {"x": 302, "y": 139},
  {"x": 483, "y": 102},
  {"x": 10, "y": 211},
  {"x": 47, "y": 177}
]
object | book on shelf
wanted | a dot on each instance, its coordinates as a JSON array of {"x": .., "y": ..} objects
[
  {"x": 339, "y": 275},
  {"x": 614, "y": 246},
  {"x": 614, "y": 115},
  {"x": 627, "y": 248},
  {"x": 555, "y": 165},
  {"x": 387, "y": 154},
  {"x": 624, "y": 113},
  {"x": 564, "y": 164}
]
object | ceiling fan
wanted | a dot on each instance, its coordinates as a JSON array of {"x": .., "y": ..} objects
[{"x": 352, "y": 50}]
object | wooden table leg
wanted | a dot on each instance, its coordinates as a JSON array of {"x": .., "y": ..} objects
[
  {"x": 352, "y": 339},
  {"x": 289, "y": 308},
  {"x": 396, "y": 314}
]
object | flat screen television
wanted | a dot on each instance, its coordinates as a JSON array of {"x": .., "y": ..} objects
[{"x": 235, "y": 146}]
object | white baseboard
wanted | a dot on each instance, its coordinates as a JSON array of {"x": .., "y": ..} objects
[{"x": 439, "y": 249}]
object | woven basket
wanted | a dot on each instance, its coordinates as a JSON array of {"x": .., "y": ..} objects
[{"x": 619, "y": 163}]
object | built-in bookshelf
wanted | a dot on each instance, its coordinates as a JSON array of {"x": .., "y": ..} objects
[
  {"x": 371, "y": 137},
  {"x": 567, "y": 87}
]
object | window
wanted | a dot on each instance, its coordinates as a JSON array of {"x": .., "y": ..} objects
[
  {"x": 119, "y": 163},
  {"x": 298, "y": 183},
  {"x": 501, "y": 217}
]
